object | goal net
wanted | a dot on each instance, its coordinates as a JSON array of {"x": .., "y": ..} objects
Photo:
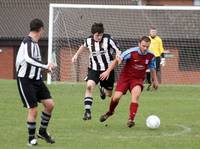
[{"x": 70, "y": 24}]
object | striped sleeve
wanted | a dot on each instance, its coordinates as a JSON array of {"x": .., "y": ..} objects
[
  {"x": 113, "y": 44},
  {"x": 85, "y": 43},
  {"x": 29, "y": 59}
]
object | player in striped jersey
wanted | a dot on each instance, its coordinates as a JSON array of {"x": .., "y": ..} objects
[
  {"x": 131, "y": 78},
  {"x": 30, "y": 85},
  {"x": 101, "y": 47}
]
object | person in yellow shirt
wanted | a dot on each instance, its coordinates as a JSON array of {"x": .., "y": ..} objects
[{"x": 157, "y": 47}]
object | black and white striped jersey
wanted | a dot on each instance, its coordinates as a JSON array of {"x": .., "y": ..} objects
[
  {"x": 28, "y": 61},
  {"x": 100, "y": 52}
]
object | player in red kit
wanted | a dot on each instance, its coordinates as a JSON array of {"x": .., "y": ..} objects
[{"x": 132, "y": 76}]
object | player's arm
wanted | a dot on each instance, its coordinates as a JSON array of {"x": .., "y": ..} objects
[
  {"x": 154, "y": 79},
  {"x": 115, "y": 47},
  {"x": 161, "y": 46},
  {"x": 80, "y": 50},
  {"x": 152, "y": 67},
  {"x": 105, "y": 74},
  {"x": 124, "y": 56},
  {"x": 29, "y": 59},
  {"x": 162, "y": 53}
]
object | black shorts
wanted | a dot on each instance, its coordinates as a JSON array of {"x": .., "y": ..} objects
[
  {"x": 94, "y": 75},
  {"x": 32, "y": 91},
  {"x": 158, "y": 59}
]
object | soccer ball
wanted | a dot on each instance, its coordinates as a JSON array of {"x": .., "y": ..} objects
[{"x": 153, "y": 122}]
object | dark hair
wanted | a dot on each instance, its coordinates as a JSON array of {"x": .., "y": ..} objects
[
  {"x": 97, "y": 28},
  {"x": 145, "y": 38},
  {"x": 36, "y": 25}
]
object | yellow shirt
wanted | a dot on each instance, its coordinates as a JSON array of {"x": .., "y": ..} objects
[{"x": 156, "y": 46}]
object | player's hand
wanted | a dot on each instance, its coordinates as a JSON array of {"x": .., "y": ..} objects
[
  {"x": 155, "y": 84},
  {"x": 104, "y": 75},
  {"x": 51, "y": 66},
  {"x": 118, "y": 53},
  {"x": 118, "y": 58},
  {"x": 162, "y": 62},
  {"x": 74, "y": 58}
]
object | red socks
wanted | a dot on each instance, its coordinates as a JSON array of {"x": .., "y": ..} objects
[{"x": 133, "y": 110}]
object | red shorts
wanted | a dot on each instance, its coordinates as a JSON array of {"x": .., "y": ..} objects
[{"x": 125, "y": 83}]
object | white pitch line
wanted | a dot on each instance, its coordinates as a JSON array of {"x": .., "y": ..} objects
[{"x": 184, "y": 131}]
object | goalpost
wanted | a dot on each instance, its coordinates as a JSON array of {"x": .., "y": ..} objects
[{"x": 178, "y": 26}]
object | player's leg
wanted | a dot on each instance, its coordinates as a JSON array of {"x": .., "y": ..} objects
[
  {"x": 44, "y": 97},
  {"x": 148, "y": 78},
  {"x": 102, "y": 91},
  {"x": 133, "y": 107},
  {"x": 106, "y": 86},
  {"x": 121, "y": 88},
  {"x": 158, "y": 73},
  {"x": 113, "y": 104},
  {"x": 45, "y": 119},
  {"x": 92, "y": 79},
  {"x": 88, "y": 99},
  {"x": 31, "y": 125},
  {"x": 29, "y": 100}
]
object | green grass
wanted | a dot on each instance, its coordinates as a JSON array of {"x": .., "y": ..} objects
[{"x": 177, "y": 106}]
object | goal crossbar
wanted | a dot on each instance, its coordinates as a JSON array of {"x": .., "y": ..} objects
[{"x": 53, "y": 5}]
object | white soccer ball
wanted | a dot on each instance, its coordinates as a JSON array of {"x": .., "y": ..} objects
[{"x": 153, "y": 122}]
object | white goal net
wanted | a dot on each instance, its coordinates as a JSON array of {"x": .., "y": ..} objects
[{"x": 178, "y": 27}]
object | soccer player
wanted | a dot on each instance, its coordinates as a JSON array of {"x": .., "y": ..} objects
[
  {"x": 131, "y": 78},
  {"x": 157, "y": 47},
  {"x": 30, "y": 85},
  {"x": 100, "y": 47}
]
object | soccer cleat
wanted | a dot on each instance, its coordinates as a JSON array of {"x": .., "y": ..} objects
[
  {"x": 45, "y": 136},
  {"x": 87, "y": 116},
  {"x": 105, "y": 116},
  {"x": 32, "y": 142},
  {"x": 130, "y": 123},
  {"x": 149, "y": 87},
  {"x": 102, "y": 93}
]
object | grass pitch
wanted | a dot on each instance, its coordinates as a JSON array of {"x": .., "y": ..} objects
[{"x": 177, "y": 106}]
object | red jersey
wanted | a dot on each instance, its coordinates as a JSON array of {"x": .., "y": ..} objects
[{"x": 136, "y": 63}]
